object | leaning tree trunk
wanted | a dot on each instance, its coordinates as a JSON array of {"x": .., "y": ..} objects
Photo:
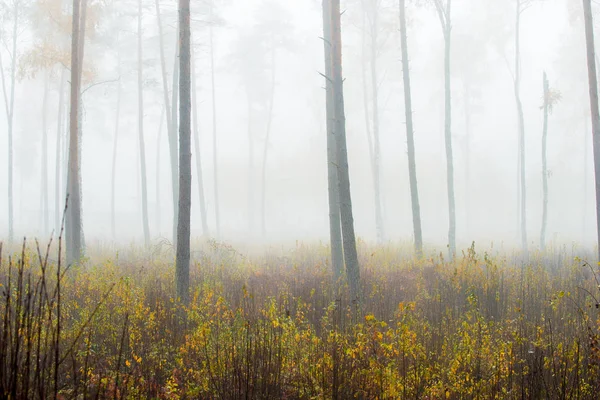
[
  {"x": 214, "y": 122},
  {"x": 44, "y": 182},
  {"x": 348, "y": 236},
  {"x": 73, "y": 233},
  {"x": 59, "y": 135},
  {"x": 545, "y": 166},
  {"x": 593, "y": 90},
  {"x": 263, "y": 200},
  {"x": 412, "y": 164},
  {"x": 198, "y": 157},
  {"x": 141, "y": 131},
  {"x": 185, "y": 156},
  {"x": 586, "y": 175},
  {"x": 335, "y": 229},
  {"x": 521, "y": 121}
]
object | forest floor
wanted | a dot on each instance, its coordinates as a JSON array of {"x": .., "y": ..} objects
[{"x": 483, "y": 326}]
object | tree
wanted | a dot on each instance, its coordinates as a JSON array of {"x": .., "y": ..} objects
[
  {"x": 335, "y": 229},
  {"x": 595, "y": 112},
  {"x": 345, "y": 198},
  {"x": 444, "y": 8},
  {"x": 141, "y": 131},
  {"x": 412, "y": 164},
  {"x": 185, "y": 155}
]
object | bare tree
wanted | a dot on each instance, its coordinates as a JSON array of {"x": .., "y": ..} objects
[
  {"x": 141, "y": 131},
  {"x": 444, "y": 8},
  {"x": 595, "y": 113},
  {"x": 544, "y": 165},
  {"x": 410, "y": 136},
  {"x": 185, "y": 155}
]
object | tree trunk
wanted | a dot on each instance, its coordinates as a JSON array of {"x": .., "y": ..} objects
[
  {"x": 185, "y": 156},
  {"x": 266, "y": 147},
  {"x": 214, "y": 122},
  {"x": 521, "y": 121},
  {"x": 593, "y": 90},
  {"x": 586, "y": 177},
  {"x": 173, "y": 146},
  {"x": 114, "y": 157},
  {"x": 158, "y": 188},
  {"x": 250, "y": 167},
  {"x": 412, "y": 164},
  {"x": 44, "y": 182},
  {"x": 141, "y": 131},
  {"x": 335, "y": 229},
  {"x": 545, "y": 166},
  {"x": 73, "y": 233},
  {"x": 203, "y": 215},
  {"x": 348, "y": 236},
  {"x": 171, "y": 125},
  {"x": 59, "y": 133},
  {"x": 467, "y": 99}
]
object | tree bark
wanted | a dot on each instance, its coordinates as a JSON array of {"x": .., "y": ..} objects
[
  {"x": 158, "y": 188},
  {"x": 348, "y": 235},
  {"x": 44, "y": 164},
  {"x": 412, "y": 164},
  {"x": 214, "y": 122},
  {"x": 185, "y": 156},
  {"x": 335, "y": 229},
  {"x": 544, "y": 166},
  {"x": 59, "y": 133},
  {"x": 141, "y": 131},
  {"x": 173, "y": 146},
  {"x": 593, "y": 91},
  {"x": 73, "y": 233},
  {"x": 198, "y": 157},
  {"x": 521, "y": 122}
]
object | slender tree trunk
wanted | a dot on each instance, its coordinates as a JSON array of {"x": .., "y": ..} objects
[
  {"x": 141, "y": 131},
  {"x": 44, "y": 183},
  {"x": 266, "y": 147},
  {"x": 198, "y": 157},
  {"x": 593, "y": 90},
  {"x": 545, "y": 166},
  {"x": 214, "y": 122},
  {"x": 376, "y": 141},
  {"x": 185, "y": 157},
  {"x": 467, "y": 97},
  {"x": 348, "y": 236},
  {"x": 59, "y": 134},
  {"x": 412, "y": 163},
  {"x": 74, "y": 226},
  {"x": 171, "y": 120},
  {"x": 174, "y": 146},
  {"x": 9, "y": 102},
  {"x": 586, "y": 176},
  {"x": 158, "y": 188},
  {"x": 250, "y": 167},
  {"x": 521, "y": 121},
  {"x": 335, "y": 228},
  {"x": 114, "y": 155}
]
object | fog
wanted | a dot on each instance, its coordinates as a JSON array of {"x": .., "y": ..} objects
[{"x": 552, "y": 40}]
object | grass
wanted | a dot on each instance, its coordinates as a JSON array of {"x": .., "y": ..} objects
[{"x": 272, "y": 327}]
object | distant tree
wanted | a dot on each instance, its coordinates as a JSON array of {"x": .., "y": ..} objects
[
  {"x": 335, "y": 229},
  {"x": 185, "y": 155},
  {"x": 345, "y": 199},
  {"x": 595, "y": 112},
  {"x": 412, "y": 163},
  {"x": 141, "y": 130}
]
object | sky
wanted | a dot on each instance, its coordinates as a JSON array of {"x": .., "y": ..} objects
[{"x": 296, "y": 184}]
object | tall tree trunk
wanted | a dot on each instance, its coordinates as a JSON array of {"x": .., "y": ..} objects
[
  {"x": 173, "y": 146},
  {"x": 73, "y": 233},
  {"x": 171, "y": 124},
  {"x": 158, "y": 188},
  {"x": 348, "y": 236},
  {"x": 335, "y": 228},
  {"x": 266, "y": 146},
  {"x": 114, "y": 155},
  {"x": 214, "y": 122},
  {"x": 9, "y": 102},
  {"x": 198, "y": 157},
  {"x": 141, "y": 131},
  {"x": 376, "y": 141},
  {"x": 545, "y": 166},
  {"x": 521, "y": 121},
  {"x": 185, "y": 156},
  {"x": 586, "y": 176},
  {"x": 467, "y": 109},
  {"x": 250, "y": 166},
  {"x": 44, "y": 169},
  {"x": 59, "y": 135},
  {"x": 412, "y": 163},
  {"x": 593, "y": 90}
]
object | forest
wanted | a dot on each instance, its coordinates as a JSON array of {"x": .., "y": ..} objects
[{"x": 269, "y": 199}]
